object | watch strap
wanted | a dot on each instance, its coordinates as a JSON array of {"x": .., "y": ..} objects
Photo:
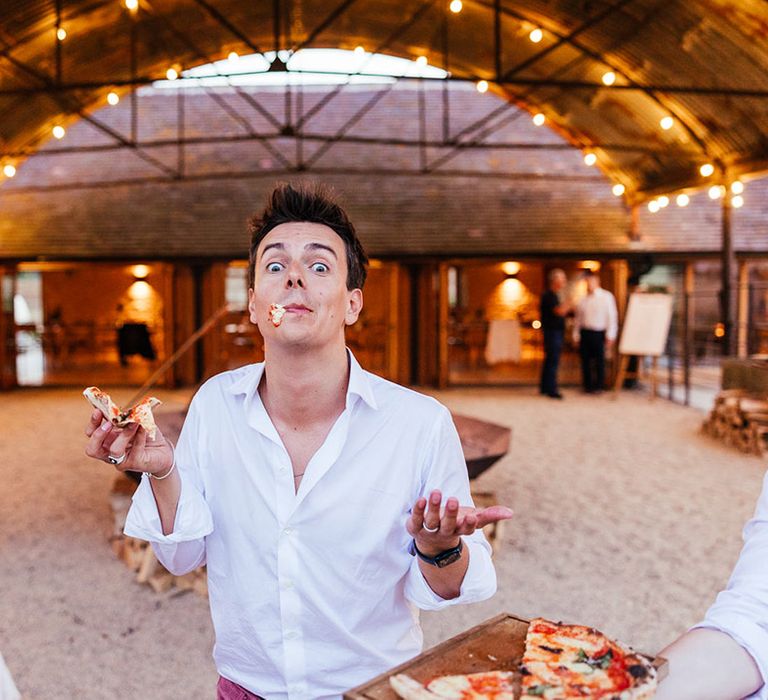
[{"x": 441, "y": 559}]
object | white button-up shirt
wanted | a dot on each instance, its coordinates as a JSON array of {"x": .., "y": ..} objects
[
  {"x": 597, "y": 312},
  {"x": 311, "y": 592},
  {"x": 741, "y": 610}
]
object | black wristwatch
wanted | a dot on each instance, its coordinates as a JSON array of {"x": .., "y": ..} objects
[{"x": 439, "y": 560}]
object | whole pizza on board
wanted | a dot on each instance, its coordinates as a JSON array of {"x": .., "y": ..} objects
[
  {"x": 141, "y": 413},
  {"x": 560, "y": 662}
]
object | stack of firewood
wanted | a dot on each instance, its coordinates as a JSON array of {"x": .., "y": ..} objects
[
  {"x": 138, "y": 555},
  {"x": 740, "y": 420}
]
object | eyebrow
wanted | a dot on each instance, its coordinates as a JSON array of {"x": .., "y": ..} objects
[{"x": 309, "y": 246}]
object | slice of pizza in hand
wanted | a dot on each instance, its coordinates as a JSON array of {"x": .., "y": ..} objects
[
  {"x": 571, "y": 661},
  {"x": 141, "y": 413},
  {"x": 276, "y": 313},
  {"x": 489, "y": 685}
]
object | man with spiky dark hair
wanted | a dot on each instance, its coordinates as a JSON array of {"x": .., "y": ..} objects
[{"x": 313, "y": 490}]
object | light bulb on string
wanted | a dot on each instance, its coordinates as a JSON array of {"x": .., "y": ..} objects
[
  {"x": 9, "y": 170},
  {"x": 737, "y": 202},
  {"x": 172, "y": 74},
  {"x": 456, "y": 6},
  {"x": 233, "y": 56},
  {"x": 359, "y": 51},
  {"x": 61, "y": 33},
  {"x": 618, "y": 189},
  {"x": 482, "y": 86},
  {"x": 539, "y": 119},
  {"x": 113, "y": 98},
  {"x": 707, "y": 169},
  {"x": 422, "y": 61},
  {"x": 58, "y": 131},
  {"x": 609, "y": 78},
  {"x": 667, "y": 123},
  {"x": 715, "y": 192},
  {"x": 132, "y": 5},
  {"x": 590, "y": 159},
  {"x": 737, "y": 187},
  {"x": 683, "y": 200},
  {"x": 536, "y": 35},
  {"x": 653, "y": 206},
  {"x": 663, "y": 201}
]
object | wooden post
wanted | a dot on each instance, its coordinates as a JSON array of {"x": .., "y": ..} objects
[
  {"x": 185, "y": 320},
  {"x": 743, "y": 310},
  {"x": 728, "y": 264},
  {"x": 442, "y": 326},
  {"x": 213, "y": 298},
  {"x": 688, "y": 284},
  {"x": 8, "y": 379},
  {"x": 393, "y": 336}
]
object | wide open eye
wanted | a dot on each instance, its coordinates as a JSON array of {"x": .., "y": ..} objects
[
  {"x": 319, "y": 267},
  {"x": 274, "y": 267}
]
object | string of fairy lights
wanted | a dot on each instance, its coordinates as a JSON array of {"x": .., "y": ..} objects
[{"x": 733, "y": 191}]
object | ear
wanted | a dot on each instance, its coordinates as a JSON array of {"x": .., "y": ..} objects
[
  {"x": 354, "y": 306},
  {"x": 252, "y": 307}
]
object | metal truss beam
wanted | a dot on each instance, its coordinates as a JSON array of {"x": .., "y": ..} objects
[
  {"x": 339, "y": 10},
  {"x": 224, "y": 22},
  {"x": 250, "y": 175}
]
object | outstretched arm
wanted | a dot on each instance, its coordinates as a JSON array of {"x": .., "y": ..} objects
[{"x": 706, "y": 664}]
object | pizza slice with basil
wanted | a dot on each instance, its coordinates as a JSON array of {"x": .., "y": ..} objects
[{"x": 572, "y": 661}]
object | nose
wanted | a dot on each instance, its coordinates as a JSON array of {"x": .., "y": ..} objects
[{"x": 294, "y": 277}]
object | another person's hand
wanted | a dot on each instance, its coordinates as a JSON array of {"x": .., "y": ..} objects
[
  {"x": 434, "y": 532},
  {"x": 129, "y": 448}
]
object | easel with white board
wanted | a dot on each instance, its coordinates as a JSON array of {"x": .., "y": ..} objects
[{"x": 644, "y": 333}]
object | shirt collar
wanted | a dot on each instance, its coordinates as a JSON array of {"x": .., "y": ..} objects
[{"x": 359, "y": 383}]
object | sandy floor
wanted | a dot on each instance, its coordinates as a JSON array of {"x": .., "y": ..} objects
[{"x": 626, "y": 518}]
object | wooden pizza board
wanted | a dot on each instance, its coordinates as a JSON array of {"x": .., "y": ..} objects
[{"x": 494, "y": 645}]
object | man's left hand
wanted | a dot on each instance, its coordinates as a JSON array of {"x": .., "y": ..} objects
[{"x": 435, "y": 532}]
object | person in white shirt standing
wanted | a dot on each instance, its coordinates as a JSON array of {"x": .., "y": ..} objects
[
  {"x": 314, "y": 491},
  {"x": 595, "y": 329}
]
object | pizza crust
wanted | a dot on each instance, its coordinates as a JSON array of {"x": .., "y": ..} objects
[
  {"x": 497, "y": 685},
  {"x": 141, "y": 413}
]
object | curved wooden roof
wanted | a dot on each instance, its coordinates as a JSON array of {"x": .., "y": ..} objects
[{"x": 702, "y": 62}]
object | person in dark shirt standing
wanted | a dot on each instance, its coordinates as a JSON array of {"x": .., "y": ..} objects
[{"x": 553, "y": 313}]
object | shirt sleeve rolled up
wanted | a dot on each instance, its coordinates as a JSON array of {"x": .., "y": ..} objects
[
  {"x": 183, "y": 549},
  {"x": 741, "y": 610},
  {"x": 445, "y": 469}
]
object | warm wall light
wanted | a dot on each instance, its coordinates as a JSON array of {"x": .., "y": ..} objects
[
  {"x": 536, "y": 35},
  {"x": 140, "y": 272},
  {"x": 456, "y": 6},
  {"x": 591, "y": 265},
  {"x": 719, "y": 330},
  {"x": 511, "y": 267},
  {"x": 618, "y": 189},
  {"x": 539, "y": 119}
]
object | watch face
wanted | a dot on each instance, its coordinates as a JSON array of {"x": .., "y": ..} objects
[{"x": 448, "y": 558}]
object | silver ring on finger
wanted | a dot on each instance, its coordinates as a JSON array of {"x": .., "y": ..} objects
[
  {"x": 116, "y": 461},
  {"x": 430, "y": 529}
]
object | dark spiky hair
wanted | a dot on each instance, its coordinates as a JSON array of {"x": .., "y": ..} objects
[{"x": 312, "y": 203}]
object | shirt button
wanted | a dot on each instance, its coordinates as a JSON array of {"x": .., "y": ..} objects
[
  {"x": 288, "y": 531},
  {"x": 287, "y": 584},
  {"x": 291, "y": 634}
]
